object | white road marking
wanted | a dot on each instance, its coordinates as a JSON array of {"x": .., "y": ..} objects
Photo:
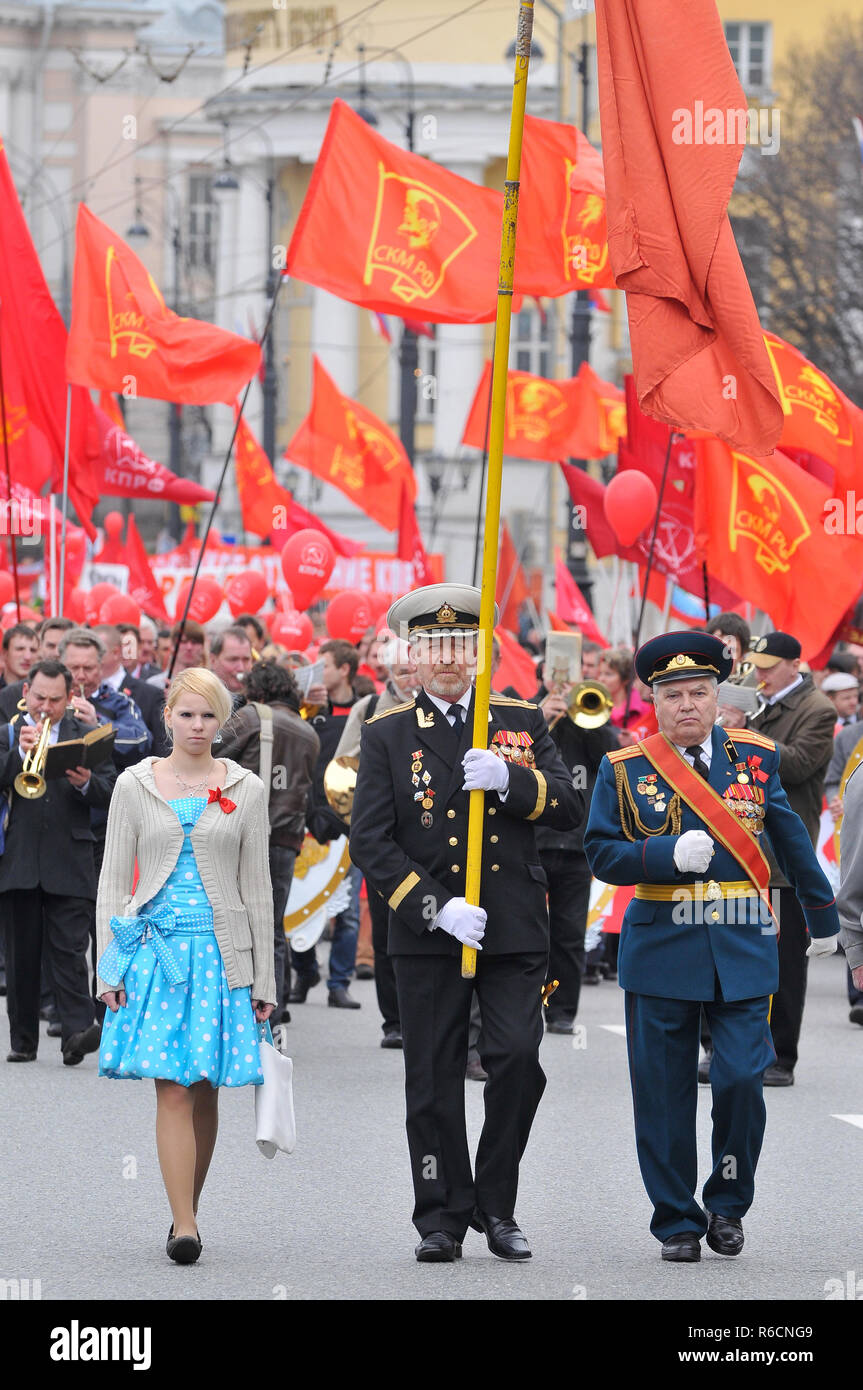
[
  {"x": 620, "y": 1030},
  {"x": 850, "y": 1119}
]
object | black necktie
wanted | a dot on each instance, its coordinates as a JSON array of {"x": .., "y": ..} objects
[
  {"x": 700, "y": 765},
  {"x": 457, "y": 713}
]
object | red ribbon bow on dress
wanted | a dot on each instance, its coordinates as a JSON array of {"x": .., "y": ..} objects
[{"x": 226, "y": 805}]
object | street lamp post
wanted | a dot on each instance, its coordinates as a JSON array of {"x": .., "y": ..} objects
[{"x": 408, "y": 346}]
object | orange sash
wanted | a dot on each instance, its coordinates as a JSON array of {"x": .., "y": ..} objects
[{"x": 709, "y": 806}]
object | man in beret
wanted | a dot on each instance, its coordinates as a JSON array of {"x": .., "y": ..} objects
[
  {"x": 800, "y": 720},
  {"x": 409, "y": 831},
  {"x": 682, "y": 815}
]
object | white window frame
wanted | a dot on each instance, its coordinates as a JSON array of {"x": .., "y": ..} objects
[{"x": 743, "y": 61}]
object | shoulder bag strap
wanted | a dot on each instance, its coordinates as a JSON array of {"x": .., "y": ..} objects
[{"x": 265, "y": 714}]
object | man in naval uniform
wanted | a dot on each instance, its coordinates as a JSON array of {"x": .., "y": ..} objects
[
  {"x": 680, "y": 816},
  {"x": 409, "y": 836}
]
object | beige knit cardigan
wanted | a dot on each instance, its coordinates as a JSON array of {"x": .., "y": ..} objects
[{"x": 232, "y": 854}]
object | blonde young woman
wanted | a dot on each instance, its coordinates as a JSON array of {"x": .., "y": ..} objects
[{"x": 186, "y": 951}]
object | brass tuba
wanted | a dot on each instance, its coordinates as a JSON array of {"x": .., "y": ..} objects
[
  {"x": 30, "y": 783},
  {"x": 340, "y": 783},
  {"x": 589, "y": 707}
]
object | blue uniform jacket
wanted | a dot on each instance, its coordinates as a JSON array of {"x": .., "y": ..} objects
[{"x": 674, "y": 949}]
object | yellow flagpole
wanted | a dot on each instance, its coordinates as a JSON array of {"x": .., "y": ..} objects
[{"x": 495, "y": 456}]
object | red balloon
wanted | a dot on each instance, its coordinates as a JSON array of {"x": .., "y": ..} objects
[
  {"x": 349, "y": 616},
  {"x": 28, "y": 615},
  {"x": 75, "y": 606},
  {"x": 307, "y": 563},
  {"x": 7, "y": 587},
  {"x": 98, "y": 595},
  {"x": 379, "y": 603},
  {"x": 630, "y": 504},
  {"x": 120, "y": 608},
  {"x": 206, "y": 600},
  {"x": 246, "y": 592},
  {"x": 112, "y": 526},
  {"x": 292, "y": 630}
]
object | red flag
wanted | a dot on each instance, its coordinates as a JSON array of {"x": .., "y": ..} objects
[
  {"x": 759, "y": 525},
  {"x": 820, "y": 422},
  {"x": 561, "y": 242},
  {"x": 126, "y": 471},
  {"x": 512, "y": 587},
  {"x": 143, "y": 587},
  {"x": 517, "y": 667},
  {"x": 698, "y": 355},
  {"x": 571, "y": 606},
  {"x": 269, "y": 509},
  {"x": 346, "y": 445},
  {"x": 393, "y": 231},
  {"x": 110, "y": 406},
  {"x": 36, "y": 335},
  {"x": 411, "y": 545},
  {"x": 580, "y": 417},
  {"x": 30, "y": 459},
  {"x": 122, "y": 330}
]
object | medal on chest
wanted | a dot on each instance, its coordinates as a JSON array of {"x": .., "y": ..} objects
[
  {"x": 745, "y": 797},
  {"x": 514, "y": 746},
  {"x": 424, "y": 795},
  {"x": 653, "y": 791}
]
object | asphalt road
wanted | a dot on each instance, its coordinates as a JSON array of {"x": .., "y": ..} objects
[{"x": 82, "y": 1209}]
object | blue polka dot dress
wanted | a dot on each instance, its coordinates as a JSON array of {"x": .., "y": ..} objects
[{"x": 199, "y": 1029}]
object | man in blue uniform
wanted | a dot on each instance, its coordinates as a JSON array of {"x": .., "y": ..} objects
[
  {"x": 680, "y": 816},
  {"x": 409, "y": 836}
]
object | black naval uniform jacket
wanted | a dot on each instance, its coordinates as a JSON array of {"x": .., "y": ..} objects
[{"x": 415, "y": 857}]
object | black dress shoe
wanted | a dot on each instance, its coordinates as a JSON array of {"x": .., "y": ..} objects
[
  {"x": 856, "y": 1014},
  {"x": 392, "y": 1039},
  {"x": 684, "y": 1248},
  {"x": 559, "y": 1025},
  {"x": 475, "y": 1071},
  {"x": 725, "y": 1234},
  {"x": 301, "y": 988},
  {"x": 438, "y": 1248},
  {"x": 778, "y": 1076},
  {"x": 341, "y": 999},
  {"x": 365, "y": 972},
  {"x": 20, "y": 1056},
  {"x": 704, "y": 1069},
  {"x": 55, "y": 1029},
  {"x": 503, "y": 1235},
  {"x": 75, "y": 1049}
]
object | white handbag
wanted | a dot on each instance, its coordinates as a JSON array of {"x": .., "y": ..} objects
[{"x": 275, "y": 1126}]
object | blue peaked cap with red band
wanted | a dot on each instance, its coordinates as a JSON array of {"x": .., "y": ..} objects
[{"x": 682, "y": 655}]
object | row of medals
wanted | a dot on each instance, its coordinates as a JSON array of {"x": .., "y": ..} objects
[{"x": 425, "y": 793}]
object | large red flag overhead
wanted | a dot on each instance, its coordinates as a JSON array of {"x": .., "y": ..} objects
[
  {"x": 698, "y": 355},
  {"x": 126, "y": 471},
  {"x": 580, "y": 417},
  {"x": 394, "y": 232},
  {"x": 267, "y": 508},
  {"x": 347, "y": 445},
  {"x": 35, "y": 336},
  {"x": 411, "y": 545},
  {"x": 561, "y": 243},
  {"x": 571, "y": 606},
  {"x": 821, "y": 423},
  {"x": 759, "y": 524},
  {"x": 123, "y": 334}
]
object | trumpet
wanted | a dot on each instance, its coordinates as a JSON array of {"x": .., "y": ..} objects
[
  {"x": 30, "y": 783},
  {"x": 589, "y": 707}
]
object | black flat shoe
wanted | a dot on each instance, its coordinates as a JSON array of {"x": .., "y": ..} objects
[
  {"x": 725, "y": 1234},
  {"x": 438, "y": 1248},
  {"x": 76, "y": 1048},
  {"x": 20, "y": 1056},
  {"x": 505, "y": 1240},
  {"x": 684, "y": 1248},
  {"x": 183, "y": 1250},
  {"x": 171, "y": 1237}
]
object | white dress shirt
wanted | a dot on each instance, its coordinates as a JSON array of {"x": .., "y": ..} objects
[{"x": 706, "y": 750}]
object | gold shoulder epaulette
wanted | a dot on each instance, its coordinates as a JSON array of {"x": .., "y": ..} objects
[
  {"x": 617, "y": 755},
  {"x": 508, "y": 700},
  {"x": 408, "y": 704},
  {"x": 752, "y": 736}
]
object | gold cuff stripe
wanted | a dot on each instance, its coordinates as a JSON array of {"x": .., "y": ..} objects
[
  {"x": 542, "y": 793},
  {"x": 403, "y": 889}
]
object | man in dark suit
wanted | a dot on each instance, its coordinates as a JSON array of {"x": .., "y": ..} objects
[
  {"x": 409, "y": 836},
  {"x": 48, "y": 875},
  {"x": 150, "y": 702}
]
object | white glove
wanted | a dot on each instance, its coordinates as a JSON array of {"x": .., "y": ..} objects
[
  {"x": 484, "y": 770},
  {"x": 693, "y": 852},
  {"x": 823, "y": 945},
  {"x": 465, "y": 923}
]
